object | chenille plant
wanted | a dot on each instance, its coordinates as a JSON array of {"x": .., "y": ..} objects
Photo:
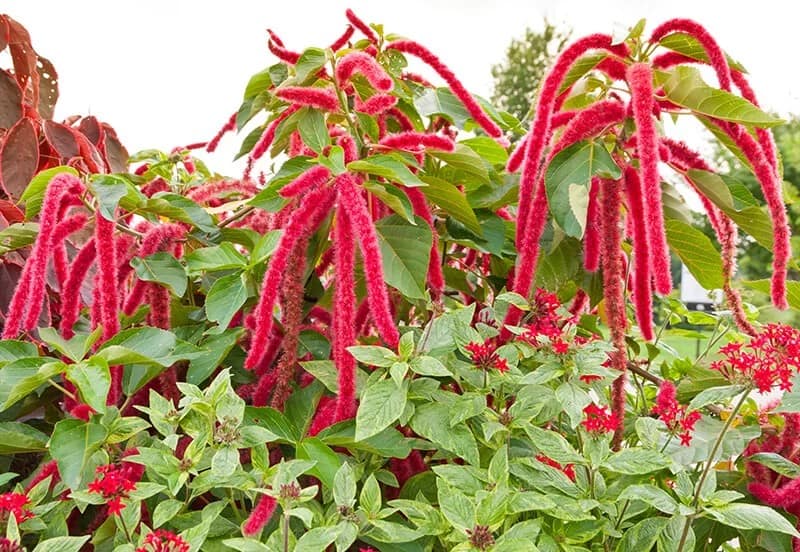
[{"x": 394, "y": 330}]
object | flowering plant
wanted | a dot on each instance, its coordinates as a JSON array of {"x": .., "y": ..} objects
[{"x": 392, "y": 340}]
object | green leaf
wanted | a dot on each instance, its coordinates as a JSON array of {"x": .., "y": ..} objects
[
  {"x": 246, "y": 545},
  {"x": 218, "y": 347},
  {"x": 11, "y": 350},
  {"x": 225, "y": 298},
  {"x": 150, "y": 342},
  {"x": 180, "y": 208},
  {"x": 553, "y": 445},
  {"x": 389, "y": 166},
  {"x": 19, "y": 438},
  {"x": 373, "y": 355},
  {"x": 381, "y": 404},
  {"x": 487, "y": 149},
  {"x": 580, "y": 68},
  {"x": 21, "y": 378},
  {"x": 112, "y": 190},
  {"x": 219, "y": 257},
  {"x": 313, "y": 129},
  {"x": 394, "y": 198},
  {"x": 752, "y": 516},
  {"x": 689, "y": 46},
  {"x": 273, "y": 420},
  {"x": 165, "y": 511},
  {"x": 33, "y": 196},
  {"x": 344, "y": 486},
  {"x": 686, "y": 88},
  {"x": 567, "y": 182},
  {"x": 17, "y": 236},
  {"x": 453, "y": 201},
  {"x": 466, "y": 161},
  {"x": 776, "y": 463},
  {"x": 432, "y": 421},
  {"x": 643, "y": 535},
  {"x": 225, "y": 461},
  {"x": 405, "y": 251},
  {"x": 318, "y": 539},
  {"x": 370, "y": 497},
  {"x": 697, "y": 253},
  {"x": 72, "y": 444},
  {"x": 752, "y": 219},
  {"x": 655, "y": 497},
  {"x": 74, "y": 349},
  {"x": 636, "y": 461},
  {"x": 62, "y": 544},
  {"x": 93, "y": 380},
  {"x": 162, "y": 268},
  {"x": 792, "y": 290},
  {"x": 310, "y": 61},
  {"x": 429, "y": 366},
  {"x": 714, "y": 395},
  {"x": 456, "y": 507},
  {"x": 327, "y": 461}
]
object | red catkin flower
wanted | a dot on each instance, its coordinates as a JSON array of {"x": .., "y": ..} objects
[
  {"x": 344, "y": 302},
  {"x": 263, "y": 144},
  {"x": 310, "y": 179},
  {"x": 15, "y": 504},
  {"x": 484, "y": 356},
  {"x": 642, "y": 289},
  {"x": 229, "y": 126},
  {"x": 340, "y": 42},
  {"x": 416, "y": 142},
  {"x": 402, "y": 119},
  {"x": 359, "y": 62},
  {"x": 156, "y": 239},
  {"x": 50, "y": 469},
  {"x": 213, "y": 193},
  {"x": 598, "y": 419},
  {"x": 106, "y": 275},
  {"x": 321, "y": 98},
  {"x": 353, "y": 201},
  {"x": 312, "y": 204},
  {"x": 475, "y": 110},
  {"x": 62, "y": 231},
  {"x": 640, "y": 80},
  {"x": 419, "y": 203},
  {"x": 260, "y": 515},
  {"x": 162, "y": 540},
  {"x": 377, "y": 104},
  {"x": 361, "y": 26},
  {"x": 276, "y": 46},
  {"x": 765, "y": 138},
  {"x": 678, "y": 420},
  {"x": 7, "y": 545},
  {"x": 591, "y": 239},
  {"x": 347, "y": 143},
  {"x": 71, "y": 291}
]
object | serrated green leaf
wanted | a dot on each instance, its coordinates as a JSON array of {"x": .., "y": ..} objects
[
  {"x": 162, "y": 268},
  {"x": 381, "y": 404},
  {"x": 697, "y": 253}
]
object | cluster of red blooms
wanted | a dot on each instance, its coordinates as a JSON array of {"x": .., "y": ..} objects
[
  {"x": 15, "y": 503},
  {"x": 599, "y": 419},
  {"x": 674, "y": 414},
  {"x": 546, "y": 322},
  {"x": 568, "y": 469},
  {"x": 162, "y": 540},
  {"x": 113, "y": 483},
  {"x": 768, "y": 486},
  {"x": 7, "y": 545},
  {"x": 484, "y": 356},
  {"x": 767, "y": 359}
]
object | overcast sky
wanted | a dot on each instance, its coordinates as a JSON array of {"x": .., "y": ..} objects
[{"x": 170, "y": 72}]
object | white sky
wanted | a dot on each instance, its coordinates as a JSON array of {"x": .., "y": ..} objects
[{"x": 170, "y": 72}]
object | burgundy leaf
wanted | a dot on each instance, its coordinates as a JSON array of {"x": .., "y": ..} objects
[{"x": 19, "y": 157}]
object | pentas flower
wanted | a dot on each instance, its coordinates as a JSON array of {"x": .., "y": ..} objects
[
  {"x": 599, "y": 419},
  {"x": 163, "y": 541},
  {"x": 568, "y": 469},
  {"x": 675, "y": 415},
  {"x": 114, "y": 485},
  {"x": 767, "y": 360},
  {"x": 484, "y": 356},
  {"x": 7, "y": 545},
  {"x": 15, "y": 503}
]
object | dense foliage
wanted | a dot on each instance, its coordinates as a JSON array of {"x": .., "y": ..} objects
[{"x": 385, "y": 338}]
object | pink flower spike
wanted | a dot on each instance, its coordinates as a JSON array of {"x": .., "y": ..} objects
[
  {"x": 591, "y": 240},
  {"x": 589, "y": 122},
  {"x": 266, "y": 139},
  {"x": 321, "y": 98},
  {"x": 435, "y": 275},
  {"x": 416, "y": 142},
  {"x": 517, "y": 156},
  {"x": 276, "y": 46},
  {"x": 377, "y": 104},
  {"x": 312, "y": 206},
  {"x": 715, "y": 54},
  {"x": 260, "y": 516},
  {"x": 71, "y": 292},
  {"x": 361, "y": 26},
  {"x": 359, "y": 62},
  {"x": 310, "y": 179},
  {"x": 340, "y": 42},
  {"x": 642, "y": 291},
  {"x": 353, "y": 201},
  {"x": 765, "y": 138},
  {"x": 229, "y": 126},
  {"x": 60, "y": 234},
  {"x": 344, "y": 301},
  {"x": 347, "y": 143},
  {"x": 475, "y": 110},
  {"x": 640, "y": 80}
]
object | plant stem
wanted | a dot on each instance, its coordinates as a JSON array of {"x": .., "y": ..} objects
[
  {"x": 63, "y": 389},
  {"x": 286, "y": 532},
  {"x": 241, "y": 213},
  {"x": 124, "y": 527},
  {"x": 707, "y": 468}
]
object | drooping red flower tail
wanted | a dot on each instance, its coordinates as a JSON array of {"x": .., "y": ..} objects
[
  {"x": 352, "y": 200},
  {"x": 344, "y": 303},
  {"x": 62, "y": 231},
  {"x": 260, "y": 516},
  {"x": 539, "y": 134},
  {"x": 417, "y": 141},
  {"x": 71, "y": 292},
  {"x": 321, "y": 98},
  {"x": 591, "y": 237},
  {"x": 106, "y": 274},
  {"x": 614, "y": 293},
  {"x": 340, "y": 42},
  {"x": 402, "y": 119},
  {"x": 311, "y": 205},
  {"x": 361, "y": 26},
  {"x": 765, "y": 138},
  {"x": 349, "y": 146},
  {"x": 364, "y": 64},
  {"x": 276, "y": 46},
  {"x": 772, "y": 189},
  {"x": 715, "y": 54},
  {"x": 377, "y": 104},
  {"x": 229, "y": 126},
  {"x": 263, "y": 144},
  {"x": 155, "y": 239},
  {"x": 436, "y": 279},
  {"x": 588, "y": 123},
  {"x": 475, "y": 110},
  {"x": 642, "y": 288},
  {"x": 640, "y": 80},
  {"x": 215, "y": 193},
  {"x": 310, "y": 179}
]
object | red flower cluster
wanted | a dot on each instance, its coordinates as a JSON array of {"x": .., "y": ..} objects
[
  {"x": 672, "y": 413},
  {"x": 163, "y": 541},
  {"x": 569, "y": 469},
  {"x": 546, "y": 322},
  {"x": 767, "y": 360},
  {"x": 15, "y": 503},
  {"x": 114, "y": 484},
  {"x": 599, "y": 419},
  {"x": 7, "y": 545},
  {"x": 484, "y": 356}
]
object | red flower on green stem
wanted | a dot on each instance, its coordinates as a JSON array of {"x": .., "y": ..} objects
[
  {"x": 114, "y": 485},
  {"x": 484, "y": 356},
  {"x": 15, "y": 503},
  {"x": 163, "y": 541},
  {"x": 678, "y": 420},
  {"x": 599, "y": 419}
]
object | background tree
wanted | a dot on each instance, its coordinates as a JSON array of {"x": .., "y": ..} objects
[{"x": 517, "y": 78}]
